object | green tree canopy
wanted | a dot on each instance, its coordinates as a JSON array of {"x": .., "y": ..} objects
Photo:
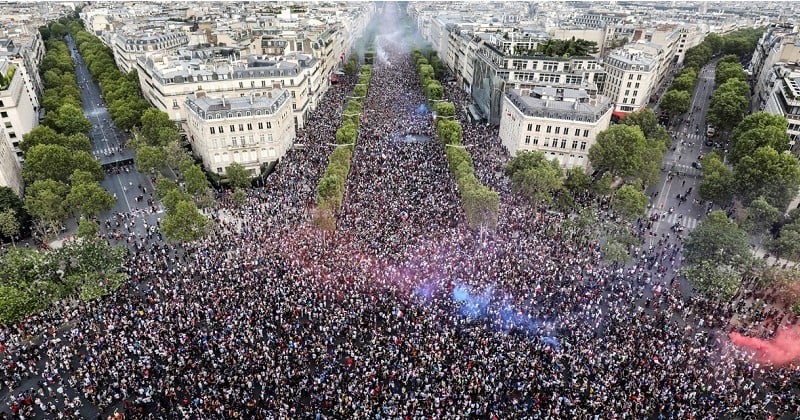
[
  {"x": 619, "y": 150},
  {"x": 237, "y": 175},
  {"x": 721, "y": 282},
  {"x": 717, "y": 240},
  {"x": 717, "y": 184},
  {"x": 630, "y": 202},
  {"x": 676, "y": 102},
  {"x": 534, "y": 176},
  {"x": 746, "y": 143},
  {"x": 184, "y": 223},
  {"x": 776, "y": 176}
]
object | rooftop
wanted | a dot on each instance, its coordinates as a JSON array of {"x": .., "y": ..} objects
[
  {"x": 560, "y": 103},
  {"x": 268, "y": 103}
]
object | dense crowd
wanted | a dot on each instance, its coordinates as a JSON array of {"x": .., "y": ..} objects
[{"x": 402, "y": 313}]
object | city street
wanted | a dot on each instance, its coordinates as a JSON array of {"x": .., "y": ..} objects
[
  {"x": 108, "y": 147},
  {"x": 679, "y": 176}
]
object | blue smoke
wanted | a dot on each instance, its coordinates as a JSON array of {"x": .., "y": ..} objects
[{"x": 474, "y": 305}]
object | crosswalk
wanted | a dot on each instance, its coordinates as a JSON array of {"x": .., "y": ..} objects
[
  {"x": 671, "y": 219},
  {"x": 692, "y": 138},
  {"x": 684, "y": 169},
  {"x": 105, "y": 151}
]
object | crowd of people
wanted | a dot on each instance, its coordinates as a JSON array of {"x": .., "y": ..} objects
[{"x": 402, "y": 313}]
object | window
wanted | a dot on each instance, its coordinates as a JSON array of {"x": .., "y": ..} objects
[
  {"x": 558, "y": 130},
  {"x": 549, "y": 129},
  {"x": 218, "y": 116},
  {"x": 269, "y": 137},
  {"x": 547, "y": 142},
  {"x": 252, "y": 139},
  {"x": 269, "y": 124},
  {"x": 211, "y": 130},
  {"x": 637, "y": 85},
  {"x": 12, "y": 135},
  {"x": 630, "y": 77},
  {"x": 530, "y": 127},
  {"x": 247, "y": 114},
  {"x": 241, "y": 140},
  {"x": 583, "y": 145},
  {"x": 220, "y": 129},
  {"x": 233, "y": 141},
  {"x": 563, "y": 143},
  {"x": 574, "y": 144},
  {"x": 639, "y": 77},
  {"x": 233, "y": 128},
  {"x": 585, "y": 133},
  {"x": 241, "y": 85},
  {"x": 261, "y": 138},
  {"x": 4, "y": 114},
  {"x": 627, "y": 92},
  {"x": 294, "y": 106},
  {"x": 174, "y": 103},
  {"x": 1, "y": 103},
  {"x": 527, "y": 139},
  {"x": 249, "y": 127},
  {"x": 260, "y": 126},
  {"x": 635, "y": 92},
  {"x": 241, "y": 127},
  {"x": 538, "y": 128},
  {"x": 629, "y": 84},
  {"x": 238, "y": 114},
  {"x": 536, "y": 141},
  {"x": 566, "y": 131},
  {"x": 8, "y": 124},
  {"x": 293, "y": 94}
]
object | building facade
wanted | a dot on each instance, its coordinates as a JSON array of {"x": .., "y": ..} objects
[
  {"x": 250, "y": 130},
  {"x": 18, "y": 114},
  {"x": 167, "y": 81},
  {"x": 10, "y": 169},
  {"x": 631, "y": 77},
  {"x": 562, "y": 123},
  {"x": 128, "y": 46}
]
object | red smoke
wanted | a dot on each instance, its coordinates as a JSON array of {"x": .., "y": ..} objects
[{"x": 782, "y": 349}]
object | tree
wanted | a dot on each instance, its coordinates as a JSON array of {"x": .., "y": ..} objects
[
  {"x": 676, "y": 102},
  {"x": 577, "y": 181},
  {"x": 717, "y": 281},
  {"x": 149, "y": 158},
  {"x": 87, "y": 229},
  {"x": 746, "y": 143},
  {"x": 184, "y": 223},
  {"x": 330, "y": 190},
  {"x": 238, "y": 197},
  {"x": 346, "y": 134},
  {"x": 787, "y": 244},
  {"x": 195, "y": 180},
  {"x": 761, "y": 216},
  {"x": 647, "y": 121},
  {"x": 238, "y": 177},
  {"x": 759, "y": 119},
  {"x": 717, "y": 183},
  {"x": 89, "y": 199},
  {"x": 776, "y": 176},
  {"x": 727, "y": 108},
  {"x": 540, "y": 181},
  {"x": 68, "y": 120},
  {"x": 47, "y": 161},
  {"x": 717, "y": 240},
  {"x": 616, "y": 252},
  {"x": 9, "y": 226},
  {"x": 449, "y": 131},
  {"x": 619, "y": 150},
  {"x": 481, "y": 205},
  {"x": 45, "y": 200},
  {"x": 602, "y": 186},
  {"x": 176, "y": 156},
  {"x": 41, "y": 134},
  {"x": 630, "y": 202},
  {"x": 727, "y": 71},
  {"x": 444, "y": 109},
  {"x": 686, "y": 81},
  {"x": 434, "y": 91},
  {"x": 9, "y": 200},
  {"x": 157, "y": 129}
]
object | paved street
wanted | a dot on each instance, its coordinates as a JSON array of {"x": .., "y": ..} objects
[
  {"x": 108, "y": 147},
  {"x": 679, "y": 175}
]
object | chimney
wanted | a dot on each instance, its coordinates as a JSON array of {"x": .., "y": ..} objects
[
  {"x": 199, "y": 94},
  {"x": 223, "y": 100},
  {"x": 269, "y": 94}
]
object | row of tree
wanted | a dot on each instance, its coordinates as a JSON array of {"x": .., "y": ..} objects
[
  {"x": 736, "y": 45},
  {"x": 331, "y": 187},
  {"x": 31, "y": 280},
  {"x": 119, "y": 90},
  {"x": 481, "y": 204},
  {"x": 181, "y": 183},
  {"x": 730, "y": 101},
  {"x": 62, "y": 176}
]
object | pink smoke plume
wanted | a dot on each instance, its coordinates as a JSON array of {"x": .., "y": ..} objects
[{"x": 782, "y": 349}]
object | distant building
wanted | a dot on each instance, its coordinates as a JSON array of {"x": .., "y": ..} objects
[
  {"x": 250, "y": 130},
  {"x": 128, "y": 46},
  {"x": 631, "y": 77},
  {"x": 784, "y": 99},
  {"x": 18, "y": 115},
  {"x": 779, "y": 45},
  {"x": 562, "y": 123},
  {"x": 10, "y": 169},
  {"x": 167, "y": 81}
]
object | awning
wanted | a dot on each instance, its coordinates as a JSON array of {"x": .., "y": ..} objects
[{"x": 618, "y": 114}]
